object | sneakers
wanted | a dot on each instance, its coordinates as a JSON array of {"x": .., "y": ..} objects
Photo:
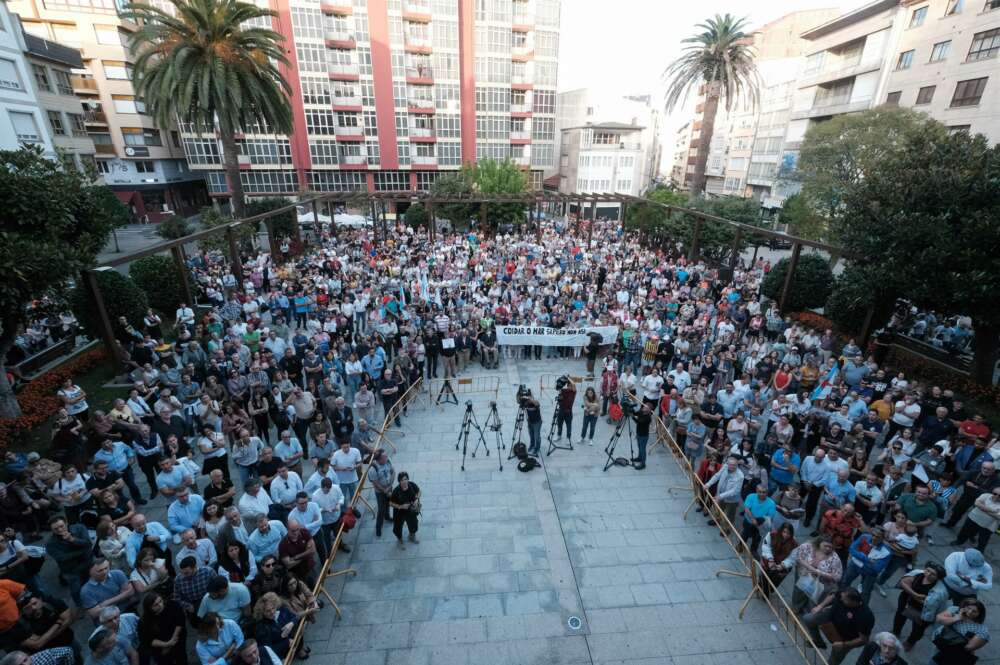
[
  {"x": 400, "y": 544},
  {"x": 414, "y": 539},
  {"x": 930, "y": 539},
  {"x": 881, "y": 591}
]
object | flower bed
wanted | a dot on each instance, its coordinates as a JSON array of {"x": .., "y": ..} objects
[{"x": 39, "y": 401}]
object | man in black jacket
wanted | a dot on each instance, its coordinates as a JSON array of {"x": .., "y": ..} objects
[
  {"x": 643, "y": 418},
  {"x": 342, "y": 420}
]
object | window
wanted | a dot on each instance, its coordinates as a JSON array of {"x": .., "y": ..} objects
[
  {"x": 372, "y": 149},
  {"x": 103, "y": 167},
  {"x": 918, "y": 17},
  {"x": 175, "y": 138},
  {"x": 311, "y": 57},
  {"x": 543, "y": 129},
  {"x": 905, "y": 60},
  {"x": 370, "y": 122},
  {"x": 392, "y": 181},
  {"x": 25, "y": 127},
  {"x": 77, "y": 124},
  {"x": 335, "y": 181},
  {"x": 145, "y": 167},
  {"x": 968, "y": 93},
  {"x": 315, "y": 91},
  {"x": 41, "y": 78},
  {"x": 403, "y": 153},
  {"x": 954, "y": 7},
  {"x": 63, "y": 82},
  {"x": 307, "y": 23},
  {"x": 56, "y": 123},
  {"x": 544, "y": 101},
  {"x": 940, "y": 51},
  {"x": 202, "y": 151},
  {"x": 141, "y": 136},
  {"x": 9, "y": 77},
  {"x": 323, "y": 151},
  {"x": 954, "y": 129},
  {"x": 266, "y": 151},
  {"x": 892, "y": 99},
  {"x": 319, "y": 122},
  {"x": 991, "y": 5},
  {"x": 269, "y": 182},
  {"x": 128, "y": 104},
  {"x": 926, "y": 94},
  {"x": 984, "y": 45},
  {"x": 449, "y": 154},
  {"x": 109, "y": 35},
  {"x": 116, "y": 70}
]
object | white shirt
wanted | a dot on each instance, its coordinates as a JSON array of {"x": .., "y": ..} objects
[
  {"x": 329, "y": 503},
  {"x": 651, "y": 386},
  {"x": 681, "y": 379},
  {"x": 251, "y": 506},
  {"x": 283, "y": 490},
  {"x": 184, "y": 315}
]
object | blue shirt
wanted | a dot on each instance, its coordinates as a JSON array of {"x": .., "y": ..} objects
[
  {"x": 728, "y": 402},
  {"x": 136, "y": 540},
  {"x": 765, "y": 509},
  {"x": 842, "y": 492},
  {"x": 212, "y": 651},
  {"x": 181, "y": 517},
  {"x": 814, "y": 472},
  {"x": 311, "y": 518},
  {"x": 782, "y": 476},
  {"x": 117, "y": 458},
  {"x": 93, "y": 593},
  {"x": 260, "y": 544},
  {"x": 230, "y": 606},
  {"x": 174, "y": 479}
]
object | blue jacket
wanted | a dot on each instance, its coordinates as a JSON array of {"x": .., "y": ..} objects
[{"x": 877, "y": 558}]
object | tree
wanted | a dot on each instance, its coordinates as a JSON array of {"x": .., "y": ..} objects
[
  {"x": 811, "y": 283},
  {"x": 173, "y": 227},
  {"x": 493, "y": 178},
  {"x": 210, "y": 219},
  {"x": 53, "y": 224},
  {"x": 159, "y": 279},
  {"x": 802, "y": 218},
  {"x": 856, "y": 291},
  {"x": 207, "y": 63},
  {"x": 715, "y": 240},
  {"x": 416, "y": 216},
  {"x": 454, "y": 186},
  {"x": 285, "y": 224},
  {"x": 920, "y": 211},
  {"x": 720, "y": 58},
  {"x": 650, "y": 218},
  {"x": 122, "y": 297}
]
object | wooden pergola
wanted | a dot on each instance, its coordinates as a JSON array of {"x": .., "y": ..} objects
[{"x": 534, "y": 203}]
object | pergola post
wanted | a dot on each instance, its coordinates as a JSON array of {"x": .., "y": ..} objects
[
  {"x": 483, "y": 218},
  {"x": 793, "y": 263},
  {"x": 272, "y": 240},
  {"x": 737, "y": 238},
  {"x": 432, "y": 229},
  {"x": 316, "y": 227},
  {"x": 181, "y": 264},
  {"x": 695, "y": 239},
  {"x": 234, "y": 256},
  {"x": 538, "y": 222},
  {"x": 624, "y": 210},
  {"x": 104, "y": 321},
  {"x": 866, "y": 325}
]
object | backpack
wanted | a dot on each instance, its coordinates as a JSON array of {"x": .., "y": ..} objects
[
  {"x": 527, "y": 464},
  {"x": 615, "y": 411},
  {"x": 520, "y": 451}
]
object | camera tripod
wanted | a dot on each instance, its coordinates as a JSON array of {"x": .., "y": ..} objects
[
  {"x": 468, "y": 422},
  {"x": 609, "y": 450},
  {"x": 515, "y": 438},
  {"x": 494, "y": 425},
  {"x": 552, "y": 430},
  {"x": 447, "y": 393}
]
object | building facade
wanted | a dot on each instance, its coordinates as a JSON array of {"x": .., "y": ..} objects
[
  {"x": 22, "y": 120},
  {"x": 142, "y": 163},
  {"x": 602, "y": 158},
  {"x": 387, "y": 94}
]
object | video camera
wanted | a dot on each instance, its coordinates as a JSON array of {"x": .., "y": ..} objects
[
  {"x": 522, "y": 392},
  {"x": 562, "y": 382}
]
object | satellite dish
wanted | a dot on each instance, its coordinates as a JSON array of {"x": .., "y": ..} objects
[{"x": 130, "y": 151}]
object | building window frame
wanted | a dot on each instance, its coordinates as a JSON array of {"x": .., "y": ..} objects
[{"x": 971, "y": 91}]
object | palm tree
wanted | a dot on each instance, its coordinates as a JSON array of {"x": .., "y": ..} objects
[
  {"x": 206, "y": 64},
  {"x": 720, "y": 58}
]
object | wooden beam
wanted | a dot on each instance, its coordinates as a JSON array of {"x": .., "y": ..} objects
[
  {"x": 793, "y": 263},
  {"x": 234, "y": 256},
  {"x": 103, "y": 320},
  {"x": 734, "y": 256},
  {"x": 181, "y": 264},
  {"x": 695, "y": 239}
]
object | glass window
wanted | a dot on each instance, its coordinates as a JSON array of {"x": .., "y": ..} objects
[
  {"x": 116, "y": 70},
  {"x": 954, "y": 7},
  {"x": 926, "y": 94},
  {"x": 78, "y": 125},
  {"x": 63, "y": 82},
  {"x": 307, "y": 23},
  {"x": 892, "y": 99},
  {"x": 984, "y": 45},
  {"x": 141, "y": 136},
  {"x": 905, "y": 60},
  {"x": 109, "y": 35},
  {"x": 128, "y": 104},
  {"x": 335, "y": 181},
  {"x": 9, "y": 77},
  {"x": 25, "y": 127},
  {"x": 991, "y": 5},
  {"x": 41, "y": 77},
  {"x": 969, "y": 93},
  {"x": 145, "y": 167},
  {"x": 918, "y": 17},
  {"x": 56, "y": 123},
  {"x": 940, "y": 51},
  {"x": 202, "y": 151}
]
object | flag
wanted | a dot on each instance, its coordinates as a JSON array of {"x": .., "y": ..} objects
[{"x": 826, "y": 384}]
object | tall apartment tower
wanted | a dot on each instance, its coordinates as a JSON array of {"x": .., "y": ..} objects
[
  {"x": 387, "y": 94},
  {"x": 142, "y": 163}
]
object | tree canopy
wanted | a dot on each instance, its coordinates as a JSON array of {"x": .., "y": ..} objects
[
  {"x": 53, "y": 224},
  {"x": 490, "y": 177},
  {"x": 811, "y": 283}
]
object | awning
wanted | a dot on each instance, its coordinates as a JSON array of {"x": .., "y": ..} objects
[{"x": 125, "y": 197}]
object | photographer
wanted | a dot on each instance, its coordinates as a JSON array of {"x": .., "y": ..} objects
[
  {"x": 643, "y": 416},
  {"x": 564, "y": 412},
  {"x": 533, "y": 414},
  {"x": 591, "y": 350}
]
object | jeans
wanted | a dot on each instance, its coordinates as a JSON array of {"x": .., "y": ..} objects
[
  {"x": 535, "y": 437},
  {"x": 567, "y": 418},
  {"x": 353, "y": 383},
  {"x": 382, "y": 513},
  {"x": 642, "y": 440},
  {"x": 632, "y": 359},
  {"x": 129, "y": 477},
  {"x": 387, "y": 407},
  {"x": 588, "y": 421},
  {"x": 972, "y": 530},
  {"x": 246, "y": 473},
  {"x": 867, "y": 581},
  {"x": 348, "y": 491},
  {"x": 813, "y": 621},
  {"x": 895, "y": 561},
  {"x": 324, "y": 540}
]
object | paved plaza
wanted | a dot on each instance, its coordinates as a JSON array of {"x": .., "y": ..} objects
[{"x": 507, "y": 558}]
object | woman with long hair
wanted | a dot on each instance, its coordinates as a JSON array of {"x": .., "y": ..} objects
[
  {"x": 817, "y": 567},
  {"x": 778, "y": 544},
  {"x": 218, "y": 638},
  {"x": 275, "y": 624},
  {"x": 235, "y": 562},
  {"x": 961, "y": 631},
  {"x": 163, "y": 630},
  {"x": 151, "y": 573},
  {"x": 591, "y": 410},
  {"x": 300, "y": 598},
  {"x": 258, "y": 409}
]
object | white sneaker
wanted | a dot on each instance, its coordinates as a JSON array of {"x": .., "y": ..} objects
[
  {"x": 589, "y": 442},
  {"x": 881, "y": 591}
]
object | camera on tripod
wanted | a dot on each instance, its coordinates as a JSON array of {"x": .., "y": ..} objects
[
  {"x": 523, "y": 392},
  {"x": 562, "y": 382}
]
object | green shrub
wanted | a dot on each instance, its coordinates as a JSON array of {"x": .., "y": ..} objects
[
  {"x": 158, "y": 277},
  {"x": 173, "y": 227},
  {"x": 811, "y": 285},
  {"x": 122, "y": 297}
]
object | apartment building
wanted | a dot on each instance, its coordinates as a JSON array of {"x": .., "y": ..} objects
[
  {"x": 52, "y": 68},
  {"x": 22, "y": 120},
  {"x": 587, "y": 106},
  {"x": 142, "y": 163},
  {"x": 679, "y": 174},
  {"x": 387, "y": 94},
  {"x": 945, "y": 63},
  {"x": 602, "y": 158}
]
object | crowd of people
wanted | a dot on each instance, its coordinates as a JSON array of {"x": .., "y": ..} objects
[{"x": 254, "y": 421}]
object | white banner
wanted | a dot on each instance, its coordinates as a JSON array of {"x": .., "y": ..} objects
[{"x": 542, "y": 336}]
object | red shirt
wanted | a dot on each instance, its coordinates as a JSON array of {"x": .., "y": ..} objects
[
  {"x": 972, "y": 428},
  {"x": 839, "y": 528}
]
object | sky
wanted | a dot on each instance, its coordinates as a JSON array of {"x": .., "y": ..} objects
[{"x": 623, "y": 46}]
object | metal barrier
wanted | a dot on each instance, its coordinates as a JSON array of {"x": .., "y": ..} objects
[
  {"x": 759, "y": 581},
  {"x": 440, "y": 390},
  {"x": 404, "y": 401},
  {"x": 548, "y": 382}
]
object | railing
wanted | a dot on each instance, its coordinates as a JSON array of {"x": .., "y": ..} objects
[
  {"x": 420, "y": 102},
  {"x": 417, "y": 41},
  {"x": 339, "y": 35},
  {"x": 340, "y": 6},
  {"x": 422, "y": 132},
  {"x": 84, "y": 83},
  {"x": 424, "y": 160},
  {"x": 521, "y": 160},
  {"x": 353, "y": 159},
  {"x": 348, "y": 130},
  {"x": 95, "y": 118},
  {"x": 346, "y": 101},
  {"x": 467, "y": 385},
  {"x": 417, "y": 7},
  {"x": 761, "y": 585},
  {"x": 344, "y": 69},
  {"x": 522, "y": 79},
  {"x": 520, "y": 134},
  {"x": 520, "y": 108},
  {"x": 420, "y": 72},
  {"x": 104, "y": 149},
  {"x": 319, "y": 588}
]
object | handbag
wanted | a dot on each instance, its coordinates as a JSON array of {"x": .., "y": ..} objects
[
  {"x": 949, "y": 637},
  {"x": 810, "y": 586}
]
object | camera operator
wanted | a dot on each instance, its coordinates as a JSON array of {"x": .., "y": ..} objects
[
  {"x": 643, "y": 417},
  {"x": 533, "y": 414},
  {"x": 564, "y": 412},
  {"x": 593, "y": 346}
]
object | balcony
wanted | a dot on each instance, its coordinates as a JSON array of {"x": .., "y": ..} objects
[
  {"x": 422, "y": 135},
  {"x": 424, "y": 160},
  {"x": 345, "y": 103},
  {"x": 339, "y": 39},
  {"x": 523, "y": 22},
  {"x": 524, "y": 52},
  {"x": 353, "y": 161},
  {"x": 521, "y": 109},
  {"x": 338, "y": 7},
  {"x": 521, "y": 160},
  {"x": 417, "y": 44},
  {"x": 520, "y": 136},
  {"x": 420, "y": 75},
  {"x": 520, "y": 82},
  {"x": 349, "y": 72},
  {"x": 841, "y": 70},
  {"x": 417, "y": 11},
  {"x": 84, "y": 85},
  {"x": 349, "y": 132},
  {"x": 832, "y": 107},
  {"x": 94, "y": 117},
  {"x": 105, "y": 149},
  {"x": 420, "y": 105}
]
